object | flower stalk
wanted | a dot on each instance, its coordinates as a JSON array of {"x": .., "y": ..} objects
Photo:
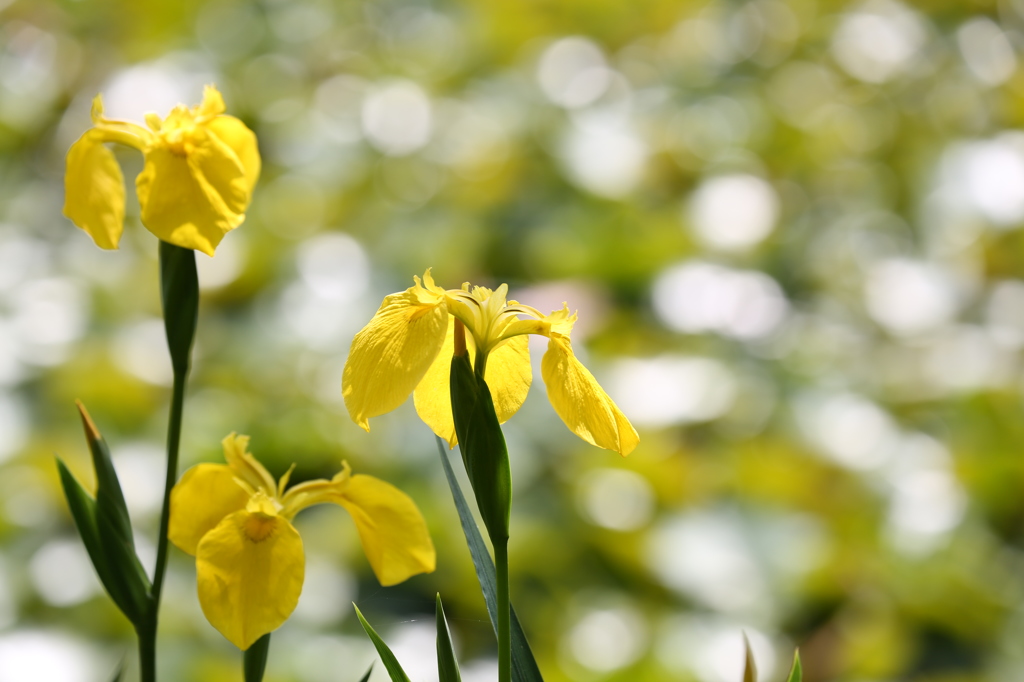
[{"x": 179, "y": 289}]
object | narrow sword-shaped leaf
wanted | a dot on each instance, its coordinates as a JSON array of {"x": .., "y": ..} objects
[
  {"x": 447, "y": 665},
  {"x": 113, "y": 524},
  {"x": 366, "y": 677},
  {"x": 391, "y": 663},
  {"x": 524, "y": 665}
]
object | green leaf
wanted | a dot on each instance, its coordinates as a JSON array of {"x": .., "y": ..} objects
[
  {"x": 114, "y": 528},
  {"x": 749, "y": 667},
  {"x": 447, "y": 665},
  {"x": 366, "y": 677},
  {"x": 254, "y": 659},
  {"x": 179, "y": 291},
  {"x": 119, "y": 673},
  {"x": 390, "y": 662},
  {"x": 482, "y": 445},
  {"x": 524, "y": 665},
  {"x": 796, "y": 673}
]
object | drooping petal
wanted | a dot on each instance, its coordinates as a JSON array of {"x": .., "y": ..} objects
[
  {"x": 200, "y": 500},
  {"x": 391, "y": 529},
  {"x": 249, "y": 571},
  {"x": 581, "y": 402},
  {"x": 242, "y": 142},
  {"x": 94, "y": 190},
  {"x": 508, "y": 375},
  {"x": 390, "y": 355},
  {"x": 180, "y": 206}
]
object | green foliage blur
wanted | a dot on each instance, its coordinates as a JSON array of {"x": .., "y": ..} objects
[{"x": 791, "y": 229}]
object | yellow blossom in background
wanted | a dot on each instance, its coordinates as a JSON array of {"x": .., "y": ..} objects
[
  {"x": 196, "y": 184},
  {"x": 250, "y": 563},
  {"x": 407, "y": 348}
]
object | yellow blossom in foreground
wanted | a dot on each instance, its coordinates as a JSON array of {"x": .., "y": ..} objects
[
  {"x": 407, "y": 348},
  {"x": 250, "y": 564},
  {"x": 200, "y": 169}
]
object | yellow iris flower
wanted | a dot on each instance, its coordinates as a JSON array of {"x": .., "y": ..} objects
[
  {"x": 236, "y": 521},
  {"x": 200, "y": 169},
  {"x": 407, "y": 348}
]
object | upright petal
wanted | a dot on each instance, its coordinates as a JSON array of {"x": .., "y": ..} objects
[
  {"x": 508, "y": 375},
  {"x": 246, "y": 467},
  {"x": 391, "y": 354},
  {"x": 249, "y": 571},
  {"x": 391, "y": 529},
  {"x": 242, "y": 141},
  {"x": 213, "y": 102},
  {"x": 200, "y": 500},
  {"x": 180, "y": 207},
  {"x": 94, "y": 190},
  {"x": 581, "y": 402}
]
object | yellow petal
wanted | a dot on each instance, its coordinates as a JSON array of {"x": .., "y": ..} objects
[
  {"x": 581, "y": 402},
  {"x": 178, "y": 204},
  {"x": 214, "y": 161},
  {"x": 94, "y": 190},
  {"x": 390, "y": 355},
  {"x": 200, "y": 500},
  {"x": 246, "y": 467},
  {"x": 508, "y": 376},
  {"x": 213, "y": 102},
  {"x": 391, "y": 528},
  {"x": 249, "y": 571},
  {"x": 242, "y": 142}
]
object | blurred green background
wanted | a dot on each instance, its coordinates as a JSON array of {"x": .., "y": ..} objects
[{"x": 791, "y": 230}]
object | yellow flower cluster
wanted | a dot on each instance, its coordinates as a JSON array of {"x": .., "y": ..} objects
[
  {"x": 200, "y": 169},
  {"x": 407, "y": 348},
  {"x": 236, "y": 520}
]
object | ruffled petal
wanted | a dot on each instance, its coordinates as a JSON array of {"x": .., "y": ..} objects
[
  {"x": 581, "y": 402},
  {"x": 508, "y": 375},
  {"x": 179, "y": 206},
  {"x": 94, "y": 190},
  {"x": 242, "y": 142},
  {"x": 392, "y": 353},
  {"x": 200, "y": 500},
  {"x": 213, "y": 161},
  {"x": 249, "y": 571},
  {"x": 391, "y": 529}
]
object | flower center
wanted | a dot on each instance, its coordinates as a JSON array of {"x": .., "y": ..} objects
[{"x": 258, "y": 526}]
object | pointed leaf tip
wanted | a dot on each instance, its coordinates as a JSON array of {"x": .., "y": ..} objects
[
  {"x": 91, "y": 432},
  {"x": 796, "y": 673},
  {"x": 389, "y": 660},
  {"x": 447, "y": 664}
]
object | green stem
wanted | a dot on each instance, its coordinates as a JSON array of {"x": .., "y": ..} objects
[
  {"x": 504, "y": 621},
  {"x": 179, "y": 289},
  {"x": 254, "y": 659},
  {"x": 173, "y": 442},
  {"x": 147, "y": 651}
]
